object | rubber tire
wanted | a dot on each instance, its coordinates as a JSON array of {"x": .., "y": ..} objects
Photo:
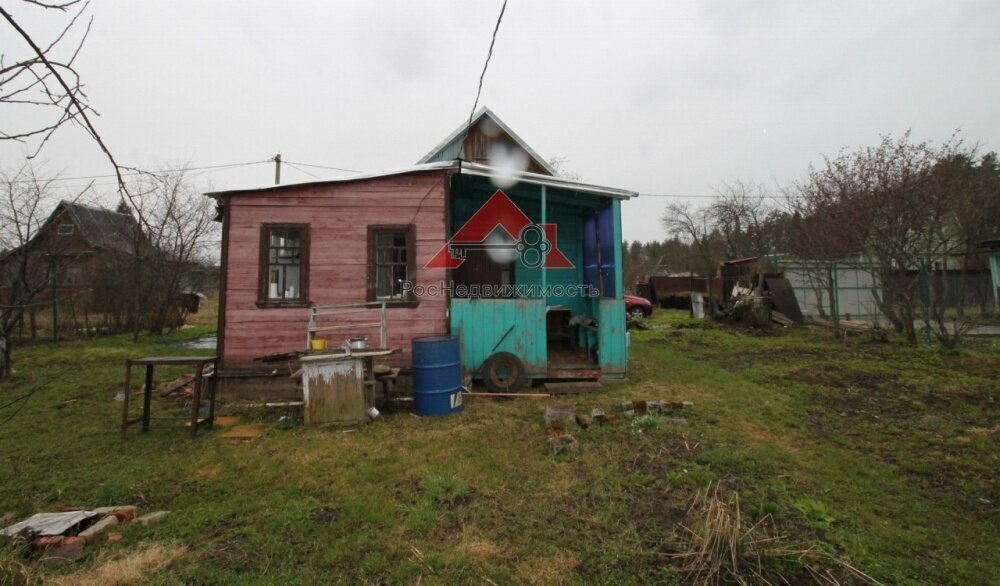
[
  {"x": 637, "y": 312},
  {"x": 490, "y": 375}
]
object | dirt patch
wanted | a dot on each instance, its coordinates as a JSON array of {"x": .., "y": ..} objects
[
  {"x": 480, "y": 550},
  {"x": 408, "y": 491},
  {"x": 738, "y": 361},
  {"x": 231, "y": 552},
  {"x": 556, "y": 569},
  {"x": 978, "y": 366},
  {"x": 323, "y": 515},
  {"x": 760, "y": 433},
  {"x": 839, "y": 378},
  {"x": 851, "y": 411}
]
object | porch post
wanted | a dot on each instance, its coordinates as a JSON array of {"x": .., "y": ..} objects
[
  {"x": 995, "y": 275},
  {"x": 616, "y": 221},
  {"x": 544, "y": 210}
]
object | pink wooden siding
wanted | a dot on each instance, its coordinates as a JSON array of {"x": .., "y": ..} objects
[{"x": 338, "y": 215}]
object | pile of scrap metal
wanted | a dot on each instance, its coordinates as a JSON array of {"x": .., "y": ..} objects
[
  {"x": 758, "y": 297},
  {"x": 61, "y": 536}
]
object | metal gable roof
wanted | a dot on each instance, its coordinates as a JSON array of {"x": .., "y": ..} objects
[
  {"x": 550, "y": 181},
  {"x": 459, "y": 167},
  {"x": 345, "y": 179},
  {"x": 486, "y": 112},
  {"x": 102, "y": 228}
]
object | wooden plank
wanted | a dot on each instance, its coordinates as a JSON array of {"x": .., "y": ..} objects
[
  {"x": 567, "y": 388},
  {"x": 780, "y": 318},
  {"x": 573, "y": 374},
  {"x": 612, "y": 350},
  {"x": 333, "y": 391},
  {"x": 177, "y": 385},
  {"x": 475, "y": 394}
]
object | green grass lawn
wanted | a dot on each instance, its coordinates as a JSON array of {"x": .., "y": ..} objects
[{"x": 879, "y": 455}]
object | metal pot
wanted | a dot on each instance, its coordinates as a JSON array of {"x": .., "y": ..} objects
[{"x": 357, "y": 343}]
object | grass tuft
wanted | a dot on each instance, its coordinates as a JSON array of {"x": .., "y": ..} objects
[
  {"x": 444, "y": 490},
  {"x": 132, "y": 568},
  {"x": 722, "y": 546}
]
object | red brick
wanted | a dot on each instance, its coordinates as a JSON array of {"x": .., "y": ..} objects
[
  {"x": 125, "y": 514},
  {"x": 47, "y": 541}
]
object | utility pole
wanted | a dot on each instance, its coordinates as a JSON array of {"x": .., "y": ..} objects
[{"x": 277, "y": 168}]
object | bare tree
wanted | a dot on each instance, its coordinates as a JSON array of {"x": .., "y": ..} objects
[
  {"x": 25, "y": 258},
  {"x": 695, "y": 227},
  {"x": 559, "y": 164},
  {"x": 893, "y": 206},
  {"x": 140, "y": 285},
  {"x": 740, "y": 212},
  {"x": 42, "y": 76}
]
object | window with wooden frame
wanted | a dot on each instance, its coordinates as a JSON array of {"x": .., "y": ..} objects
[
  {"x": 391, "y": 262},
  {"x": 74, "y": 275},
  {"x": 65, "y": 229},
  {"x": 284, "y": 265}
]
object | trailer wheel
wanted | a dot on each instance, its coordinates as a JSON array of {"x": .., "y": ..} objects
[{"x": 503, "y": 372}]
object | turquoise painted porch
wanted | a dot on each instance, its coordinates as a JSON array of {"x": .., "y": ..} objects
[
  {"x": 481, "y": 323},
  {"x": 488, "y": 326}
]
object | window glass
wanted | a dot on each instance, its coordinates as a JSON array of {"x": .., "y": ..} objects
[
  {"x": 284, "y": 264},
  {"x": 390, "y": 263}
]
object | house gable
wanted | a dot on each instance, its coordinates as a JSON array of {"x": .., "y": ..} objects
[{"x": 488, "y": 139}]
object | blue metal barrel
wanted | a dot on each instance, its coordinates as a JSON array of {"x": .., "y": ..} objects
[{"x": 437, "y": 376}]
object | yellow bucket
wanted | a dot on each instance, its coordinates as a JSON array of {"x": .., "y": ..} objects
[{"x": 319, "y": 344}]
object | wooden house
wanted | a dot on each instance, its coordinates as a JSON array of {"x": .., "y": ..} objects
[
  {"x": 442, "y": 245},
  {"x": 70, "y": 243}
]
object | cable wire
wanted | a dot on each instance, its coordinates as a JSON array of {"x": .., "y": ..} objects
[
  {"x": 482, "y": 75},
  {"x": 322, "y": 167},
  {"x": 301, "y": 170},
  {"x": 134, "y": 173}
]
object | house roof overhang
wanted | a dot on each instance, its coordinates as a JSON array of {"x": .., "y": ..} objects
[
  {"x": 335, "y": 180},
  {"x": 476, "y": 169},
  {"x": 458, "y": 167}
]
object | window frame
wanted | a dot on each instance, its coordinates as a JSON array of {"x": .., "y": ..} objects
[
  {"x": 73, "y": 282},
  {"x": 65, "y": 229},
  {"x": 263, "y": 271},
  {"x": 410, "y": 230}
]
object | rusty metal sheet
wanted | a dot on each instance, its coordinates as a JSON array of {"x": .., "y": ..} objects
[{"x": 784, "y": 300}]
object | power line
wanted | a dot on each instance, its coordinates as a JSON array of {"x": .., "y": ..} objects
[
  {"x": 323, "y": 167},
  {"x": 301, "y": 170},
  {"x": 676, "y": 195},
  {"x": 134, "y": 173},
  {"x": 703, "y": 196},
  {"x": 482, "y": 75}
]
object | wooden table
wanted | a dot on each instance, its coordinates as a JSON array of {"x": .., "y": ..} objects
[{"x": 149, "y": 362}]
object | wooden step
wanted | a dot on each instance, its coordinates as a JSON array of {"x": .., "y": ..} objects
[
  {"x": 572, "y": 387},
  {"x": 573, "y": 374}
]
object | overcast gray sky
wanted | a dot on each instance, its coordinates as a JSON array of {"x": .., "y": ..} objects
[{"x": 657, "y": 97}]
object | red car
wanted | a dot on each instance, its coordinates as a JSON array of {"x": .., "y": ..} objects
[{"x": 638, "y": 306}]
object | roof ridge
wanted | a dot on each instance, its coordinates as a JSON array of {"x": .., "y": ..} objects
[{"x": 95, "y": 208}]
